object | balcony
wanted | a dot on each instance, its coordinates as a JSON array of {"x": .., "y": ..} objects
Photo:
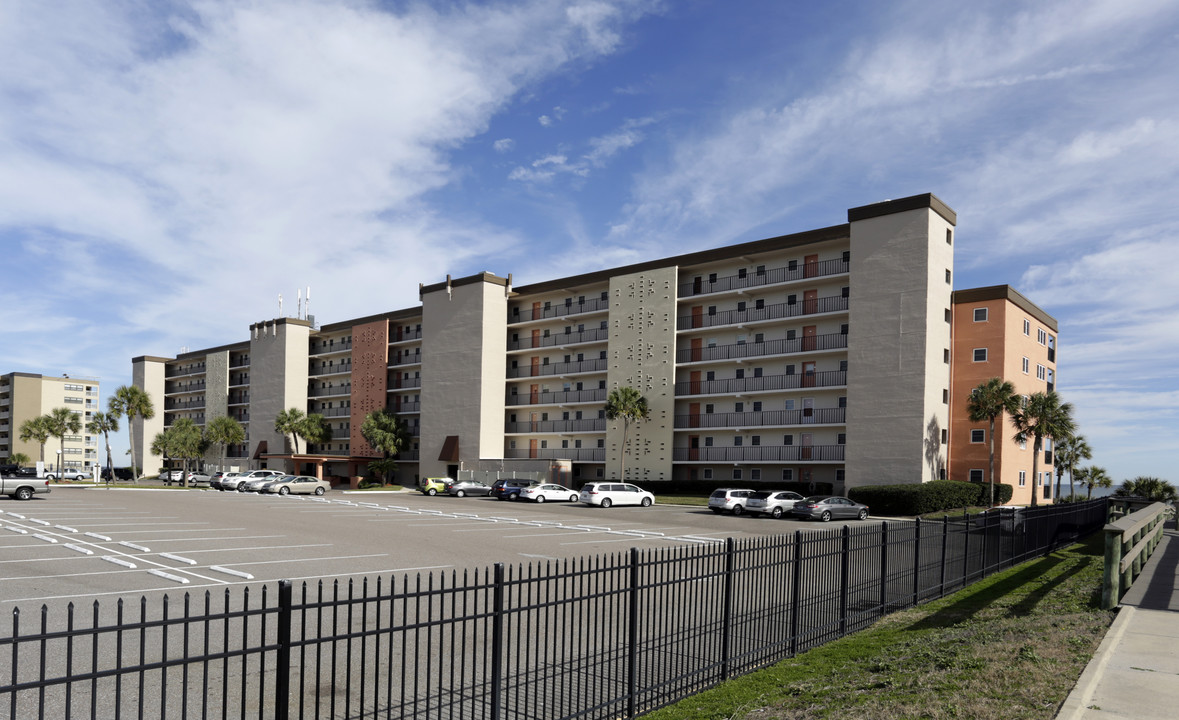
[
  {"x": 560, "y": 339},
  {"x": 174, "y": 372},
  {"x": 330, "y": 391},
  {"x": 335, "y": 412},
  {"x": 404, "y": 383},
  {"x": 560, "y": 397},
  {"x": 317, "y": 450},
  {"x": 184, "y": 389},
  {"x": 813, "y": 343},
  {"x": 408, "y": 455},
  {"x": 318, "y": 349},
  {"x": 183, "y": 404},
  {"x": 198, "y": 419},
  {"x": 240, "y": 362},
  {"x": 574, "y": 454},
  {"x": 402, "y": 335},
  {"x": 407, "y": 407},
  {"x": 405, "y": 359},
  {"x": 565, "y": 309},
  {"x": 779, "y": 311},
  {"x": 771, "y": 276},
  {"x": 242, "y": 399},
  {"x": 768, "y": 383},
  {"x": 557, "y": 426},
  {"x": 321, "y": 369},
  {"x": 239, "y": 381},
  {"x": 561, "y": 368},
  {"x": 764, "y": 418},
  {"x": 760, "y": 453}
]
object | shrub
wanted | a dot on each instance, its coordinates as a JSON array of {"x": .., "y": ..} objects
[{"x": 920, "y": 498}]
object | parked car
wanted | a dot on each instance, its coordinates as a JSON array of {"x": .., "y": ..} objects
[
  {"x": 433, "y": 485},
  {"x": 232, "y": 483},
  {"x": 254, "y": 483},
  {"x": 825, "y": 507},
  {"x": 509, "y": 489},
  {"x": 170, "y": 476},
  {"x": 221, "y": 477},
  {"x": 23, "y": 488},
  {"x": 196, "y": 479},
  {"x": 774, "y": 503},
  {"x": 462, "y": 488},
  {"x": 607, "y": 494},
  {"x": 297, "y": 485},
  {"x": 27, "y": 472},
  {"x": 68, "y": 474},
  {"x": 731, "y": 499},
  {"x": 8, "y": 469},
  {"x": 119, "y": 473},
  {"x": 548, "y": 491}
]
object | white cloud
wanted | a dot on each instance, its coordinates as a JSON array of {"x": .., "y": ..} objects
[{"x": 504, "y": 145}]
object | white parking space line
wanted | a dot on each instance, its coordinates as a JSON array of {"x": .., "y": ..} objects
[
  {"x": 257, "y": 548},
  {"x": 296, "y": 560},
  {"x": 169, "y": 576}
]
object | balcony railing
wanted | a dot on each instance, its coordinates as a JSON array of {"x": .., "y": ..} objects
[
  {"x": 553, "y": 426},
  {"x": 812, "y": 343},
  {"x": 574, "y": 454},
  {"x": 243, "y": 399},
  {"x": 561, "y": 368},
  {"x": 764, "y": 418},
  {"x": 198, "y": 419},
  {"x": 403, "y": 383},
  {"x": 335, "y": 412},
  {"x": 182, "y": 371},
  {"x": 405, "y": 359},
  {"x": 239, "y": 362},
  {"x": 408, "y": 455},
  {"x": 188, "y": 388},
  {"x": 767, "y": 383},
  {"x": 327, "y": 349},
  {"x": 403, "y": 336},
  {"x": 835, "y": 303},
  {"x": 560, "y": 339},
  {"x": 330, "y": 369},
  {"x": 183, "y": 404},
  {"x": 760, "y": 453},
  {"x": 560, "y": 310},
  {"x": 407, "y": 407},
  {"x": 771, "y": 276},
  {"x": 330, "y": 391},
  {"x": 557, "y": 398}
]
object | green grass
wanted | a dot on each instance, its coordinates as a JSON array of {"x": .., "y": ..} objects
[
  {"x": 697, "y": 500},
  {"x": 1011, "y": 646}
]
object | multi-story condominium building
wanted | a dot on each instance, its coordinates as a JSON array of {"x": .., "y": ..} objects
[
  {"x": 817, "y": 356},
  {"x": 1000, "y": 333},
  {"x": 24, "y": 396}
]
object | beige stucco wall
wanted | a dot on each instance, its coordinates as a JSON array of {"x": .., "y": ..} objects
[
  {"x": 148, "y": 374},
  {"x": 896, "y": 367},
  {"x": 464, "y": 371},
  {"x": 641, "y": 351},
  {"x": 278, "y": 381}
]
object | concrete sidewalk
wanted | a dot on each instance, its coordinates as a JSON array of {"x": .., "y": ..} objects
[{"x": 1135, "y": 671}]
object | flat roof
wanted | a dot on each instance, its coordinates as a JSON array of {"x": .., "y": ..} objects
[{"x": 1004, "y": 292}]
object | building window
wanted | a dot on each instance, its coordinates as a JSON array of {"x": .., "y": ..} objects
[
  {"x": 755, "y": 474},
  {"x": 1026, "y": 366},
  {"x": 757, "y": 406},
  {"x": 741, "y": 306},
  {"x": 845, "y": 292},
  {"x": 736, "y": 473},
  {"x": 842, "y": 401},
  {"x": 787, "y": 439},
  {"x": 976, "y": 476},
  {"x": 707, "y": 473},
  {"x": 708, "y": 442},
  {"x": 788, "y": 475},
  {"x": 756, "y": 372},
  {"x": 1041, "y": 336},
  {"x": 761, "y": 270},
  {"x": 978, "y": 436},
  {"x": 841, "y": 439},
  {"x": 946, "y": 355},
  {"x": 945, "y": 436},
  {"x": 949, "y": 277},
  {"x": 791, "y": 299},
  {"x": 788, "y": 405},
  {"x": 712, "y": 309},
  {"x": 1041, "y": 372},
  {"x": 1023, "y": 478},
  {"x": 1027, "y": 327},
  {"x": 949, "y": 315},
  {"x": 755, "y": 440},
  {"x": 759, "y": 304},
  {"x": 980, "y": 314},
  {"x": 712, "y": 277},
  {"x": 846, "y": 256},
  {"x": 741, "y": 273},
  {"x": 949, "y": 236},
  {"x": 945, "y": 397},
  {"x": 980, "y": 354},
  {"x": 737, "y": 441}
]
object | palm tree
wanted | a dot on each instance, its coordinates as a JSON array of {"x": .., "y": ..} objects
[
  {"x": 1070, "y": 450},
  {"x": 1093, "y": 476},
  {"x": 61, "y": 422},
  {"x": 288, "y": 422},
  {"x": 388, "y": 434},
  {"x": 186, "y": 444},
  {"x": 131, "y": 401},
  {"x": 989, "y": 401},
  {"x": 315, "y": 429},
  {"x": 1151, "y": 488},
  {"x": 36, "y": 430},
  {"x": 1042, "y": 415},
  {"x": 628, "y": 405},
  {"x": 20, "y": 459},
  {"x": 224, "y": 431},
  {"x": 106, "y": 424}
]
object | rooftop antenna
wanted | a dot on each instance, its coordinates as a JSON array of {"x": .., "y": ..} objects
[
  {"x": 308, "y": 302},
  {"x": 299, "y": 310},
  {"x": 280, "y": 304}
]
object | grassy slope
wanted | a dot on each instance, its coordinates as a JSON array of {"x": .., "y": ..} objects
[{"x": 1009, "y": 647}]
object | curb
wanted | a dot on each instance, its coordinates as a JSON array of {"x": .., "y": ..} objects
[{"x": 1078, "y": 700}]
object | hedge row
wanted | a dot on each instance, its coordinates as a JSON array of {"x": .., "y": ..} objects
[{"x": 919, "y": 498}]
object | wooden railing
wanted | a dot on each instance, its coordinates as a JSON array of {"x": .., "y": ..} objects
[{"x": 1129, "y": 542}]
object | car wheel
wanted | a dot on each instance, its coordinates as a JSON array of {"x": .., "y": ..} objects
[
  {"x": 514, "y": 497},
  {"x": 50, "y": 476},
  {"x": 460, "y": 493},
  {"x": 283, "y": 491},
  {"x": 606, "y": 502},
  {"x": 776, "y": 513},
  {"x": 646, "y": 502},
  {"x": 863, "y": 515},
  {"x": 572, "y": 498},
  {"x": 737, "y": 509},
  {"x": 826, "y": 516},
  {"x": 540, "y": 498},
  {"x": 431, "y": 492},
  {"x": 24, "y": 493},
  {"x": 319, "y": 491}
]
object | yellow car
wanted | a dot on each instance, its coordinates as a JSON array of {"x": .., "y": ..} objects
[{"x": 433, "y": 485}]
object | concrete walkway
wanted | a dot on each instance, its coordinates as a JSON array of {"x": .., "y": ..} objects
[{"x": 1135, "y": 672}]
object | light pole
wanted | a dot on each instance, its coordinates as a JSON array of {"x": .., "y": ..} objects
[{"x": 59, "y": 473}]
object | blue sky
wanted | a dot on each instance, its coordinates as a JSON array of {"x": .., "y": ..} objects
[{"x": 167, "y": 169}]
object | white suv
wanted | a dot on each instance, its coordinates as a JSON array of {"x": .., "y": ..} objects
[
  {"x": 235, "y": 483},
  {"x": 607, "y": 494},
  {"x": 774, "y": 503},
  {"x": 731, "y": 499}
]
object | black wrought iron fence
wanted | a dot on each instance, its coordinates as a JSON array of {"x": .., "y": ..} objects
[{"x": 601, "y": 637}]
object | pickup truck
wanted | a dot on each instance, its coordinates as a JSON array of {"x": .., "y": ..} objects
[{"x": 23, "y": 488}]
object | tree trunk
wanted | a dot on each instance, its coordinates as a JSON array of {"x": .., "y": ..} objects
[
  {"x": 1035, "y": 466},
  {"x": 991, "y": 471}
]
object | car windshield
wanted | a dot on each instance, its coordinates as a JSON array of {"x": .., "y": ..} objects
[
  {"x": 761, "y": 494},
  {"x": 719, "y": 493}
]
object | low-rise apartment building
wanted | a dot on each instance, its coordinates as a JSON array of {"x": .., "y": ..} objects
[{"x": 24, "y": 396}]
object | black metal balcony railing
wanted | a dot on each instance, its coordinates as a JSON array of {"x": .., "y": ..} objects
[
  {"x": 239, "y": 362},
  {"x": 404, "y": 336},
  {"x": 335, "y": 412},
  {"x": 764, "y": 418},
  {"x": 183, "y": 404},
  {"x": 330, "y": 369},
  {"x": 242, "y": 399},
  {"x": 560, "y": 310},
  {"x": 407, "y": 407},
  {"x": 186, "y": 388},
  {"x": 557, "y": 398},
  {"x": 778, "y": 311},
  {"x": 560, "y": 339},
  {"x": 551, "y": 426},
  {"x": 561, "y": 368},
  {"x": 575, "y": 454},
  {"x": 325, "y": 348},
  {"x": 238, "y": 380},
  {"x": 336, "y": 390},
  {"x": 812, "y": 343},
  {"x": 760, "y": 453},
  {"x": 186, "y": 370},
  {"x": 771, "y": 276},
  {"x": 405, "y": 359},
  {"x": 403, "y": 383},
  {"x": 198, "y": 419},
  {"x": 766, "y": 383},
  {"x": 409, "y": 455}
]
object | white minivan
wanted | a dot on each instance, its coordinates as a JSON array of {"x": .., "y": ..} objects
[{"x": 607, "y": 494}]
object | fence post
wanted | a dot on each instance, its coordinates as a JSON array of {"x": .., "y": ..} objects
[
  {"x": 965, "y": 553},
  {"x": 796, "y": 593},
  {"x": 917, "y": 562},
  {"x": 945, "y": 541},
  {"x": 727, "y": 613},
  {"x": 497, "y": 638},
  {"x": 1111, "y": 583},
  {"x": 883, "y": 568},
  {"x": 844, "y": 566},
  {"x": 632, "y": 636},
  {"x": 282, "y": 678}
]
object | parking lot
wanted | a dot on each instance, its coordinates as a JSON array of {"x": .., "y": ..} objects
[{"x": 78, "y": 544}]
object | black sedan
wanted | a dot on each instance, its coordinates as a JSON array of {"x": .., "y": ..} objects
[{"x": 825, "y": 507}]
